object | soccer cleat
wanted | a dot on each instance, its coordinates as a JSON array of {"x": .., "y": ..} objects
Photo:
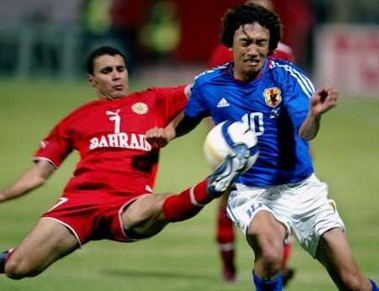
[
  {"x": 3, "y": 257},
  {"x": 229, "y": 170}
]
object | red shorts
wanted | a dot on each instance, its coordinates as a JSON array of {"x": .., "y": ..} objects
[{"x": 92, "y": 215}]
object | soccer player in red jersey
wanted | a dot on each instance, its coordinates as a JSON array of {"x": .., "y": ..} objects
[
  {"x": 110, "y": 194},
  {"x": 225, "y": 231}
]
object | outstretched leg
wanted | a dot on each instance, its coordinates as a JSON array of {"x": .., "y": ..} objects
[
  {"x": 46, "y": 243},
  {"x": 149, "y": 214},
  {"x": 189, "y": 202}
]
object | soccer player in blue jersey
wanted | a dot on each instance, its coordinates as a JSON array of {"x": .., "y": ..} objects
[{"x": 280, "y": 192}]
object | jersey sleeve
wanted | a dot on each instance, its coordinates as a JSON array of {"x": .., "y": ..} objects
[
  {"x": 196, "y": 106},
  {"x": 55, "y": 147},
  {"x": 171, "y": 101},
  {"x": 301, "y": 89}
]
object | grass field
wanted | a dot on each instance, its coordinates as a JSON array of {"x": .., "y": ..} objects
[{"x": 183, "y": 257}]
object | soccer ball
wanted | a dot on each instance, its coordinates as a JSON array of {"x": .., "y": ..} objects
[{"x": 223, "y": 136}]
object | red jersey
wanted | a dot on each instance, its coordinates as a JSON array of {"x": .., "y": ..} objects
[
  {"x": 221, "y": 55},
  {"x": 110, "y": 137}
]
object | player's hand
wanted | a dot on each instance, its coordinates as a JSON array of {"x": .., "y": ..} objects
[
  {"x": 157, "y": 137},
  {"x": 324, "y": 99}
]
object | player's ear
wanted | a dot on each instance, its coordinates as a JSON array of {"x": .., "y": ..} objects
[{"x": 91, "y": 80}]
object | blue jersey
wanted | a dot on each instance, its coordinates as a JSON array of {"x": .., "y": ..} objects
[{"x": 274, "y": 105}]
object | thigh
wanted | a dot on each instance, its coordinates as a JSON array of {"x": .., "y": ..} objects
[
  {"x": 92, "y": 215},
  {"x": 335, "y": 254},
  {"x": 144, "y": 217},
  {"x": 311, "y": 213},
  {"x": 265, "y": 231},
  {"x": 47, "y": 242},
  {"x": 245, "y": 205}
]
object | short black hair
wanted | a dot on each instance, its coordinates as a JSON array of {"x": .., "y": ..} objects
[
  {"x": 101, "y": 51},
  {"x": 248, "y": 14}
]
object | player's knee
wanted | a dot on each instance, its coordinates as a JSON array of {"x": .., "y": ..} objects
[
  {"x": 18, "y": 269},
  {"x": 269, "y": 254},
  {"x": 272, "y": 256},
  {"x": 352, "y": 281},
  {"x": 14, "y": 271}
]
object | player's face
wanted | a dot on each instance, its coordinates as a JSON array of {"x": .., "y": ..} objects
[
  {"x": 250, "y": 49},
  {"x": 110, "y": 77}
]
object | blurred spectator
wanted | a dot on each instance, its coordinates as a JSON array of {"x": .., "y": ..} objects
[
  {"x": 200, "y": 28},
  {"x": 346, "y": 11},
  {"x": 297, "y": 16},
  {"x": 128, "y": 17},
  {"x": 96, "y": 25},
  {"x": 161, "y": 35},
  {"x": 96, "y": 16}
]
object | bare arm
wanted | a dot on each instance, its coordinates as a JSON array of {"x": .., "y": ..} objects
[
  {"x": 181, "y": 125},
  {"x": 322, "y": 101},
  {"x": 29, "y": 180}
]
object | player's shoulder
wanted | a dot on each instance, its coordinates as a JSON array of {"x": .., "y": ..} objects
[
  {"x": 212, "y": 75},
  {"x": 285, "y": 73},
  {"x": 284, "y": 68},
  {"x": 153, "y": 90},
  {"x": 158, "y": 93}
]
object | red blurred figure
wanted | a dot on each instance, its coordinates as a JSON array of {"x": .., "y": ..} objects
[
  {"x": 128, "y": 18},
  {"x": 297, "y": 16}
]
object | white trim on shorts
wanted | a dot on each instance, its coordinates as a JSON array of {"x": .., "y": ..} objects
[{"x": 67, "y": 226}]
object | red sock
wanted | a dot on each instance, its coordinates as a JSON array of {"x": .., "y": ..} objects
[
  {"x": 227, "y": 258},
  {"x": 225, "y": 230},
  {"x": 286, "y": 255},
  {"x": 225, "y": 239},
  {"x": 186, "y": 204}
]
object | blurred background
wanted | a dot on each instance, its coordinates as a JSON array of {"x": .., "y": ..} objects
[{"x": 171, "y": 40}]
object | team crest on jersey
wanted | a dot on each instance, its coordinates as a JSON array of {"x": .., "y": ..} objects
[
  {"x": 272, "y": 96},
  {"x": 140, "y": 108}
]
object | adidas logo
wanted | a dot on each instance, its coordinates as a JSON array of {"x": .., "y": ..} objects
[{"x": 223, "y": 103}]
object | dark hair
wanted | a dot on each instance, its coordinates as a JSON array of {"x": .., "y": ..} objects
[
  {"x": 101, "y": 51},
  {"x": 248, "y": 14}
]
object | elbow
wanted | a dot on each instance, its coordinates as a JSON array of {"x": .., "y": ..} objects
[
  {"x": 40, "y": 181},
  {"x": 186, "y": 125},
  {"x": 308, "y": 132},
  {"x": 306, "y": 136}
]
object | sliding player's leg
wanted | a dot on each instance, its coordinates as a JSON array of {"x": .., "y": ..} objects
[{"x": 48, "y": 241}]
